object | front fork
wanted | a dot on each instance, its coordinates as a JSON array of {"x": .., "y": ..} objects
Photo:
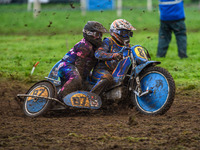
[
  {"x": 138, "y": 85},
  {"x": 138, "y": 88},
  {"x": 139, "y": 92}
]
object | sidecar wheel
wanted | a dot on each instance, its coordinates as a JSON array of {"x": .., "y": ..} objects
[
  {"x": 162, "y": 94},
  {"x": 34, "y": 106}
]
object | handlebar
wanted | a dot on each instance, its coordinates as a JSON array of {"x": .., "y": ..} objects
[{"x": 123, "y": 49}]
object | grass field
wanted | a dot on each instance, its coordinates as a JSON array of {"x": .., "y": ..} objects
[{"x": 25, "y": 40}]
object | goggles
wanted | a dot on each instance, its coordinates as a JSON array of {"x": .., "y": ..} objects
[
  {"x": 123, "y": 33},
  {"x": 94, "y": 34}
]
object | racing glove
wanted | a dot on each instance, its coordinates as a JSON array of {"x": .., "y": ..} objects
[{"x": 117, "y": 56}]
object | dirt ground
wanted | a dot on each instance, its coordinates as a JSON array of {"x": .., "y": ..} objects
[{"x": 118, "y": 129}]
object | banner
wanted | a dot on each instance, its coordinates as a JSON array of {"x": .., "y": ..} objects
[{"x": 100, "y": 4}]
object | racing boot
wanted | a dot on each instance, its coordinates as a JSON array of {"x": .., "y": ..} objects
[{"x": 102, "y": 84}]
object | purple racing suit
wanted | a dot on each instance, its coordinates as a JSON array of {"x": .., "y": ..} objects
[{"x": 76, "y": 66}]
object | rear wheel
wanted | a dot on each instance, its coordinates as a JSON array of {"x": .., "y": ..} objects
[
  {"x": 162, "y": 87},
  {"x": 34, "y": 106}
]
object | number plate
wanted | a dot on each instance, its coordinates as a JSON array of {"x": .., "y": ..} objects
[
  {"x": 80, "y": 100},
  {"x": 39, "y": 91},
  {"x": 140, "y": 52},
  {"x": 83, "y": 99}
]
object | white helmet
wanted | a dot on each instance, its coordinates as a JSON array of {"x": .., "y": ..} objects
[{"x": 121, "y": 30}]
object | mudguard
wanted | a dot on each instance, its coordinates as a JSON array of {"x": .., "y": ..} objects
[
  {"x": 140, "y": 67},
  {"x": 55, "y": 92},
  {"x": 83, "y": 99}
]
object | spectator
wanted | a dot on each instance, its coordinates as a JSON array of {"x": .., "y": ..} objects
[{"x": 172, "y": 18}]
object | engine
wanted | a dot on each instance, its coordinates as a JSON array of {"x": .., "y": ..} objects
[{"x": 115, "y": 93}]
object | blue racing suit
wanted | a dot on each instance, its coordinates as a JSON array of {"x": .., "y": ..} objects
[{"x": 102, "y": 74}]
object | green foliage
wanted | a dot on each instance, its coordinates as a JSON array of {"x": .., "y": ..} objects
[{"x": 25, "y": 40}]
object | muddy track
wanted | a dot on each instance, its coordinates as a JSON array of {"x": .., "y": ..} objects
[{"x": 112, "y": 128}]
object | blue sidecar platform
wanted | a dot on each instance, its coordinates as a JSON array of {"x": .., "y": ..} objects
[{"x": 83, "y": 99}]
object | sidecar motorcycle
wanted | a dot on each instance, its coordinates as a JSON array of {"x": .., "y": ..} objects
[{"x": 151, "y": 89}]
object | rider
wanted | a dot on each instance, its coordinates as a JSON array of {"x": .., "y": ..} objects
[
  {"x": 76, "y": 65},
  {"x": 120, "y": 31}
]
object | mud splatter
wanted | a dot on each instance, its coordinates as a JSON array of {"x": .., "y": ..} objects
[
  {"x": 50, "y": 23},
  {"x": 72, "y": 5},
  {"x": 145, "y": 29}
]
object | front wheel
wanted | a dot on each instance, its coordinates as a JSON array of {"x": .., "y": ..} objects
[
  {"x": 162, "y": 87},
  {"x": 34, "y": 106}
]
